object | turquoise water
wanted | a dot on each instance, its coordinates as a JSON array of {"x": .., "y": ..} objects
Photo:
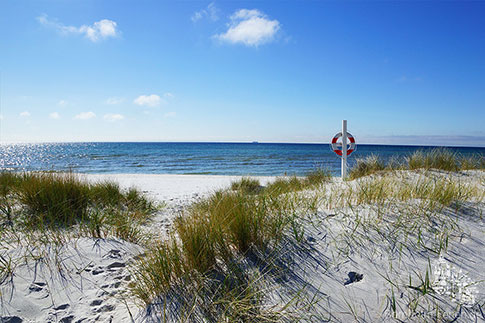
[{"x": 192, "y": 158}]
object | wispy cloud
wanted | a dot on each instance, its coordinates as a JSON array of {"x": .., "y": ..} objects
[
  {"x": 54, "y": 115},
  {"x": 151, "y": 100},
  {"x": 62, "y": 103},
  {"x": 168, "y": 95},
  {"x": 114, "y": 100},
  {"x": 113, "y": 117},
  {"x": 1, "y": 117},
  {"x": 85, "y": 115},
  {"x": 211, "y": 12},
  {"x": 250, "y": 27},
  {"x": 99, "y": 30},
  {"x": 432, "y": 140},
  {"x": 24, "y": 114}
]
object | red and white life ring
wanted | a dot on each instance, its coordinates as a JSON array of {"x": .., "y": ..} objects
[{"x": 337, "y": 148}]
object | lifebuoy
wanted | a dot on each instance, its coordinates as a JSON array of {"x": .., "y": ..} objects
[{"x": 337, "y": 149}]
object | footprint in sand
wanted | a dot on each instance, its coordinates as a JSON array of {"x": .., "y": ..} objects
[
  {"x": 115, "y": 265},
  {"x": 36, "y": 287},
  {"x": 67, "y": 319},
  {"x": 101, "y": 293},
  {"x": 61, "y": 307},
  {"x": 60, "y": 312},
  {"x": 106, "y": 308},
  {"x": 38, "y": 290},
  {"x": 96, "y": 302},
  {"x": 97, "y": 308},
  {"x": 123, "y": 277},
  {"x": 97, "y": 271},
  {"x": 353, "y": 277}
]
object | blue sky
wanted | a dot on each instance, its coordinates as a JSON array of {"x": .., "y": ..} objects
[{"x": 269, "y": 71}]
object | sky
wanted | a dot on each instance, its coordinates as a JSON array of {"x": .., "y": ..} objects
[{"x": 241, "y": 71}]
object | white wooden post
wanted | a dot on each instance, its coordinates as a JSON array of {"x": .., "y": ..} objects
[{"x": 344, "y": 149}]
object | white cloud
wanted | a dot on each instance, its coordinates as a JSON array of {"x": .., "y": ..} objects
[
  {"x": 99, "y": 30},
  {"x": 250, "y": 27},
  {"x": 54, "y": 115},
  {"x": 85, "y": 115},
  {"x": 211, "y": 12},
  {"x": 114, "y": 100},
  {"x": 102, "y": 29},
  {"x": 24, "y": 114},
  {"x": 62, "y": 103},
  {"x": 60, "y": 27},
  {"x": 113, "y": 117},
  {"x": 151, "y": 100},
  {"x": 197, "y": 16},
  {"x": 170, "y": 114},
  {"x": 169, "y": 95}
]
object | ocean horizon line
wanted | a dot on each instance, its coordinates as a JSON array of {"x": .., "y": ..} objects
[{"x": 240, "y": 142}]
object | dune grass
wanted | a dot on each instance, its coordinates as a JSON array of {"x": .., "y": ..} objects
[
  {"x": 53, "y": 199},
  {"x": 439, "y": 159},
  {"x": 40, "y": 201},
  {"x": 205, "y": 253},
  {"x": 413, "y": 214},
  {"x": 202, "y": 267},
  {"x": 247, "y": 185},
  {"x": 436, "y": 192},
  {"x": 42, "y": 212},
  {"x": 366, "y": 166},
  {"x": 6, "y": 268},
  {"x": 283, "y": 185},
  {"x": 218, "y": 230},
  {"x": 317, "y": 177},
  {"x": 436, "y": 159},
  {"x": 214, "y": 264}
]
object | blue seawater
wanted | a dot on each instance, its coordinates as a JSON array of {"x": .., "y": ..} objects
[{"x": 192, "y": 158}]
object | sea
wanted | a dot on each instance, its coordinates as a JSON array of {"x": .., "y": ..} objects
[{"x": 262, "y": 159}]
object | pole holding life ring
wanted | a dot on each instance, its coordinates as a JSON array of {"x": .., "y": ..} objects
[{"x": 343, "y": 148}]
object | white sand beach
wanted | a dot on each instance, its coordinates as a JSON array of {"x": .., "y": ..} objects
[{"x": 357, "y": 264}]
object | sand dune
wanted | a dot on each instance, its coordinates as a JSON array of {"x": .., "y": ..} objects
[{"x": 362, "y": 262}]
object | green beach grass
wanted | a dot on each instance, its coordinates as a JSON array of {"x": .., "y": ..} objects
[
  {"x": 208, "y": 245},
  {"x": 43, "y": 201},
  {"x": 439, "y": 159}
]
